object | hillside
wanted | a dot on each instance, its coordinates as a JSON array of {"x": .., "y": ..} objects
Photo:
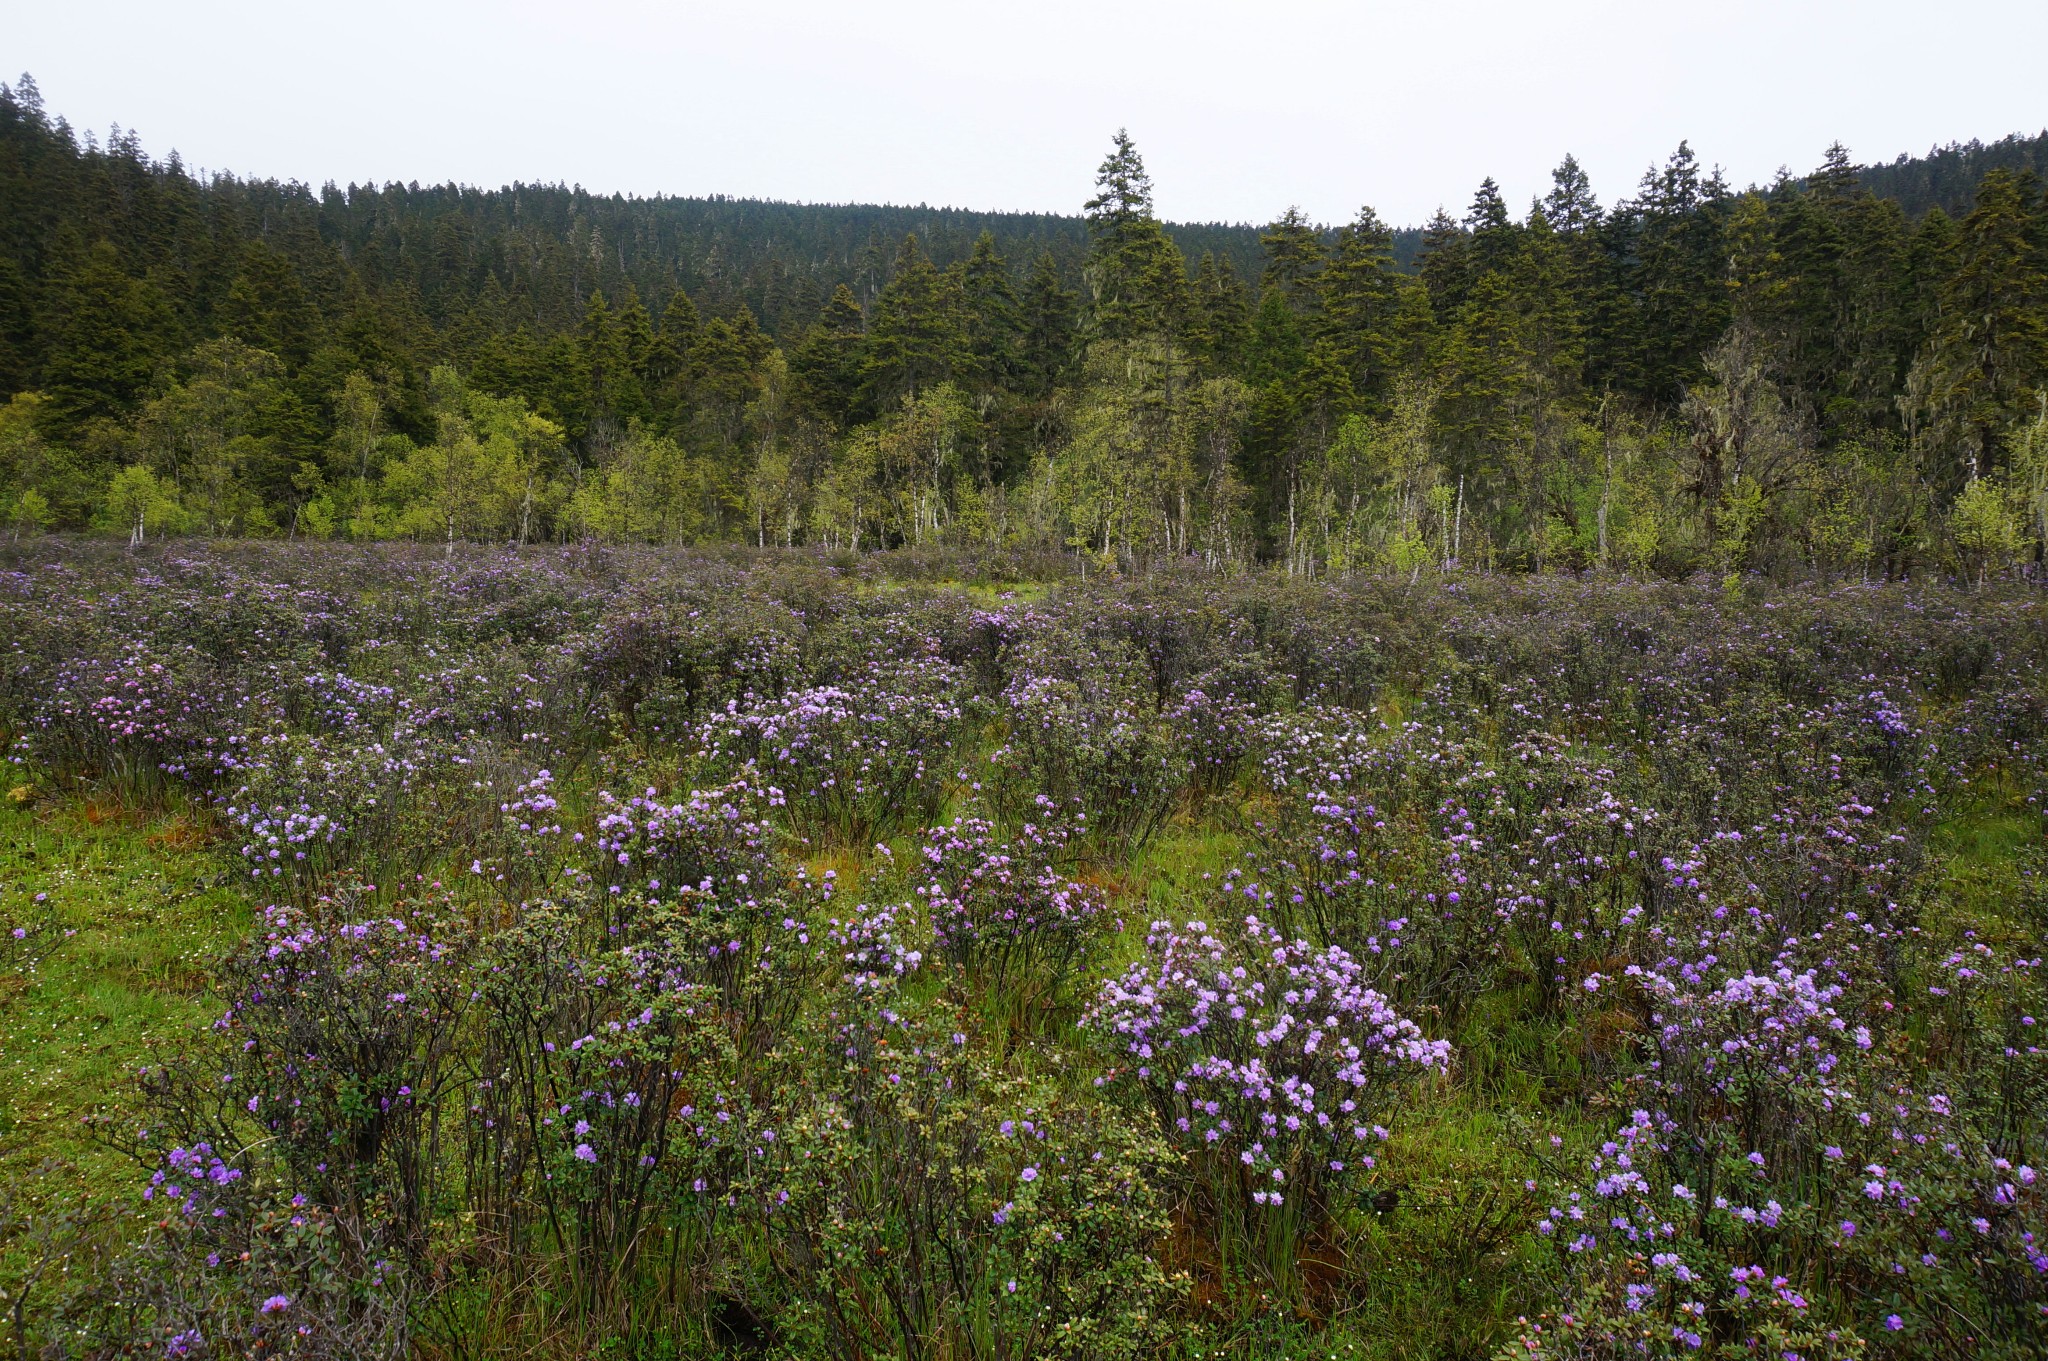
[{"x": 1688, "y": 376}]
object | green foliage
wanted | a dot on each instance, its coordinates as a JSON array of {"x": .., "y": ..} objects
[{"x": 1811, "y": 372}]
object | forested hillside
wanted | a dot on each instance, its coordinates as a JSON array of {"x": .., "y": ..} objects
[{"x": 1842, "y": 371}]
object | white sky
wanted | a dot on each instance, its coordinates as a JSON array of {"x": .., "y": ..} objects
[{"x": 1239, "y": 110}]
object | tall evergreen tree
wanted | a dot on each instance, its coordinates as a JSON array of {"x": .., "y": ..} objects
[
  {"x": 1445, "y": 264},
  {"x": 917, "y": 339},
  {"x": 105, "y": 333},
  {"x": 1672, "y": 238},
  {"x": 1360, "y": 288},
  {"x": 1046, "y": 341},
  {"x": 825, "y": 370},
  {"x": 1571, "y": 206},
  {"x": 1988, "y": 356},
  {"x": 990, "y": 317},
  {"x": 1137, "y": 278},
  {"x": 1223, "y": 308},
  {"x": 1489, "y": 227},
  {"x": 1294, "y": 259},
  {"x": 611, "y": 383}
]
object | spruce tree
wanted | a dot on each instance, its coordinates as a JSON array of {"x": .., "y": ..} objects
[
  {"x": 1672, "y": 236},
  {"x": 611, "y": 387},
  {"x": 825, "y": 370},
  {"x": 1445, "y": 264},
  {"x": 1224, "y": 310},
  {"x": 1294, "y": 260},
  {"x": 1988, "y": 356},
  {"x": 1570, "y": 206},
  {"x": 105, "y": 335},
  {"x": 1489, "y": 228},
  {"x": 990, "y": 317},
  {"x": 1359, "y": 291},
  {"x": 1046, "y": 343},
  {"x": 917, "y": 339},
  {"x": 1137, "y": 278}
]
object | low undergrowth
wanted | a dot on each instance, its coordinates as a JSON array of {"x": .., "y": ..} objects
[{"x": 549, "y": 956}]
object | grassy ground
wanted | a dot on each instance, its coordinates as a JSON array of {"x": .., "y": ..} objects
[{"x": 146, "y": 907}]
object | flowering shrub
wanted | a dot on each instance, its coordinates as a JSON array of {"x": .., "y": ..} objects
[
  {"x": 142, "y": 720},
  {"x": 607, "y": 1096},
  {"x": 1790, "y": 1188},
  {"x": 1268, "y": 1061},
  {"x": 1098, "y": 750},
  {"x": 224, "y": 1271},
  {"x": 1673, "y": 1250},
  {"x": 908, "y": 1169},
  {"x": 661, "y": 666},
  {"x": 1217, "y": 722},
  {"x": 557, "y": 1031},
  {"x": 1005, "y": 909},
  {"x": 852, "y": 764},
  {"x": 338, "y": 1049}
]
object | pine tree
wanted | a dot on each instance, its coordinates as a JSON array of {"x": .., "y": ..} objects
[
  {"x": 1137, "y": 278},
  {"x": 1294, "y": 260},
  {"x": 18, "y": 350},
  {"x": 871, "y": 272},
  {"x": 1359, "y": 294},
  {"x": 1989, "y": 352},
  {"x": 1046, "y": 344},
  {"x": 106, "y": 334},
  {"x": 1489, "y": 228},
  {"x": 611, "y": 384},
  {"x": 725, "y": 362},
  {"x": 268, "y": 307},
  {"x": 1276, "y": 348},
  {"x": 665, "y": 373},
  {"x": 917, "y": 339},
  {"x": 1570, "y": 205},
  {"x": 1930, "y": 259},
  {"x": 1445, "y": 264},
  {"x": 1223, "y": 306},
  {"x": 1836, "y": 179},
  {"x": 991, "y": 323},
  {"x": 1673, "y": 238},
  {"x": 1873, "y": 340},
  {"x": 637, "y": 338},
  {"x": 825, "y": 370}
]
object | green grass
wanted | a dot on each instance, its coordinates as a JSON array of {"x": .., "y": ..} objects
[
  {"x": 1994, "y": 852},
  {"x": 148, "y": 907}
]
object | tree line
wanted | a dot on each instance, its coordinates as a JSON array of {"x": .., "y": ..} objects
[{"x": 1799, "y": 376}]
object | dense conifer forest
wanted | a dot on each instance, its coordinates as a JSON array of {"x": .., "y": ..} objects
[{"x": 1840, "y": 371}]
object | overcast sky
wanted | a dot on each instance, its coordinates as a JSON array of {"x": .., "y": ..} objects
[{"x": 1240, "y": 110}]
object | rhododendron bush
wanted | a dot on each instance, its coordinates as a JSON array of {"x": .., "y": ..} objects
[{"x": 781, "y": 955}]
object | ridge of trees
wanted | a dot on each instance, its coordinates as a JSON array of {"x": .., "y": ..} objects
[{"x": 1805, "y": 374}]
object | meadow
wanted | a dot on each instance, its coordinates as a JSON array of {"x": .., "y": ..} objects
[{"x": 599, "y": 952}]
